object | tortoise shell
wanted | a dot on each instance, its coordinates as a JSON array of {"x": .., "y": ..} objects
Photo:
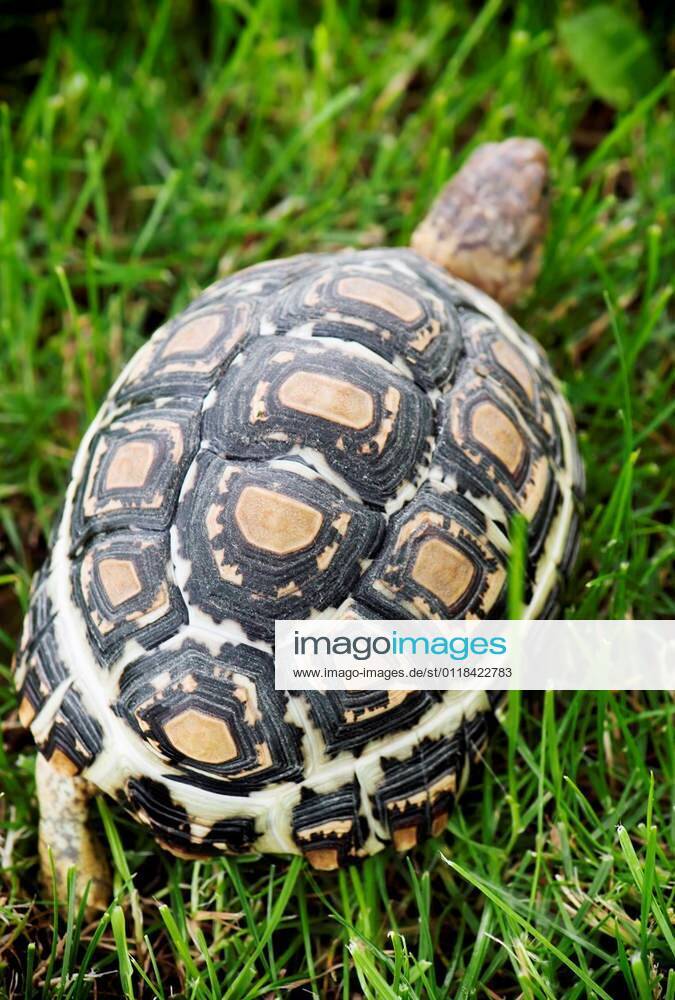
[{"x": 342, "y": 435}]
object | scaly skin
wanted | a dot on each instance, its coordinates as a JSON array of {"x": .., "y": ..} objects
[
  {"x": 66, "y": 833},
  {"x": 488, "y": 224}
]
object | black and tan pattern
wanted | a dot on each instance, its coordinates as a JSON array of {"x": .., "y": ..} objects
[
  {"x": 121, "y": 583},
  {"x": 152, "y": 803},
  {"x": 264, "y": 543},
  {"x": 39, "y": 616},
  {"x": 571, "y": 548},
  {"x": 349, "y": 720},
  {"x": 137, "y": 465},
  {"x": 329, "y": 828},
  {"x": 189, "y": 354},
  {"x": 497, "y": 357},
  {"x": 67, "y": 734},
  {"x": 487, "y": 449},
  {"x": 376, "y": 302},
  {"x": 550, "y": 610},
  {"x": 437, "y": 562},
  {"x": 217, "y": 718},
  {"x": 44, "y": 670},
  {"x": 74, "y": 738},
  {"x": 410, "y": 809},
  {"x": 369, "y": 424},
  {"x": 477, "y": 732},
  {"x": 340, "y": 435},
  {"x": 49, "y": 702},
  {"x": 40, "y": 668}
]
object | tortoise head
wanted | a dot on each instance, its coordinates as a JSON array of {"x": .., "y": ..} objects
[{"x": 488, "y": 224}]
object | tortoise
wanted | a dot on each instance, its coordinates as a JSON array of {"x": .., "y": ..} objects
[{"x": 344, "y": 435}]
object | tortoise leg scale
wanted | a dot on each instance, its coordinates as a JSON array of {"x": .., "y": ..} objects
[{"x": 65, "y": 837}]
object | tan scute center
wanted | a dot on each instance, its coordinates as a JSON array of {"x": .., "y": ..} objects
[
  {"x": 444, "y": 570},
  {"x": 499, "y": 435},
  {"x": 201, "y": 737},
  {"x": 330, "y": 398},
  {"x": 382, "y": 296},
  {"x": 511, "y": 360},
  {"x": 130, "y": 465},
  {"x": 120, "y": 580},
  {"x": 62, "y": 763},
  {"x": 194, "y": 337},
  {"x": 276, "y": 522}
]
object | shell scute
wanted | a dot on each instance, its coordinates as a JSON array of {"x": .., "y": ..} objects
[
  {"x": 437, "y": 562},
  {"x": 216, "y": 718},
  {"x": 329, "y": 827},
  {"x": 350, "y": 720},
  {"x": 369, "y": 424},
  {"x": 123, "y": 584},
  {"x": 260, "y": 542},
  {"x": 188, "y": 354},
  {"x": 137, "y": 464}
]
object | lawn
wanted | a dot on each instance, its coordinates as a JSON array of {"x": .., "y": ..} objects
[{"x": 148, "y": 147}]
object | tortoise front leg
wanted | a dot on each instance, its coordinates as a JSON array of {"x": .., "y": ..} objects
[{"x": 65, "y": 831}]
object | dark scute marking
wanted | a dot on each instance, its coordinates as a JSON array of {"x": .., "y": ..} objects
[
  {"x": 234, "y": 691},
  {"x": 144, "y": 556},
  {"x": 328, "y": 827},
  {"x": 350, "y": 720},
  {"x": 477, "y": 732},
  {"x": 153, "y": 446},
  {"x": 549, "y": 431},
  {"x": 429, "y": 342},
  {"x": 39, "y": 616},
  {"x": 181, "y": 359},
  {"x": 475, "y": 464},
  {"x": 456, "y": 528},
  {"x": 45, "y": 670},
  {"x": 416, "y": 795},
  {"x": 526, "y": 389},
  {"x": 184, "y": 357},
  {"x": 504, "y": 362},
  {"x": 432, "y": 274},
  {"x": 552, "y": 606},
  {"x": 56, "y": 526},
  {"x": 235, "y": 836},
  {"x": 249, "y": 419},
  {"x": 539, "y": 527},
  {"x": 151, "y": 802},
  {"x": 75, "y": 734},
  {"x": 231, "y": 577},
  {"x": 39, "y": 654}
]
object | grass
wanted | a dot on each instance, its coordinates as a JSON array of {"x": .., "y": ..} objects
[{"x": 149, "y": 147}]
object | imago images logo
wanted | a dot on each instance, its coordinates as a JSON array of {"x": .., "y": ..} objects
[{"x": 375, "y": 654}]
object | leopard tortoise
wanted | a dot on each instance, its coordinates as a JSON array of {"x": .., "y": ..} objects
[{"x": 337, "y": 434}]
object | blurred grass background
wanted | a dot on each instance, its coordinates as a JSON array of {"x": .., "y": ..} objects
[{"x": 146, "y": 148}]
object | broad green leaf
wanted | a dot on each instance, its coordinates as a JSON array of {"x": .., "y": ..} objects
[{"x": 611, "y": 53}]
